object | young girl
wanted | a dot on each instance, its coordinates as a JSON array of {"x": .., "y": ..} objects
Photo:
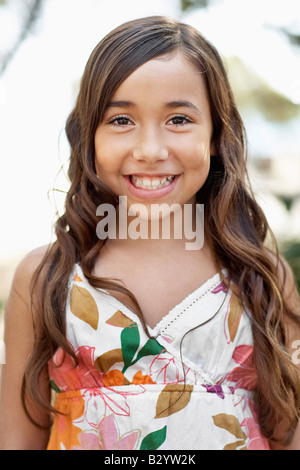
[{"x": 131, "y": 342}]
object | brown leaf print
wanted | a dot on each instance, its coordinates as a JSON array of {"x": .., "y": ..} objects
[
  {"x": 104, "y": 362},
  {"x": 234, "y": 316},
  {"x": 231, "y": 424},
  {"x": 119, "y": 319},
  {"x": 83, "y": 306},
  {"x": 235, "y": 445},
  {"x": 173, "y": 398}
]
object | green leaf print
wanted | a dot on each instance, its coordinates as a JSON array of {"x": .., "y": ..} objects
[
  {"x": 130, "y": 340},
  {"x": 151, "y": 348},
  {"x": 54, "y": 386},
  {"x": 154, "y": 440}
]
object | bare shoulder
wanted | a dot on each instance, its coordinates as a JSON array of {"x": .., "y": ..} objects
[
  {"x": 290, "y": 295},
  {"x": 26, "y": 269},
  {"x": 30, "y": 262},
  {"x": 19, "y": 302}
]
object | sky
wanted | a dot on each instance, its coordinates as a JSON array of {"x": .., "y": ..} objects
[{"x": 37, "y": 91}]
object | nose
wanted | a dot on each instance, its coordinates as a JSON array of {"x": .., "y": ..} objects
[{"x": 150, "y": 146}]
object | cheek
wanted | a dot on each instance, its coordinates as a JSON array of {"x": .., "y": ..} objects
[
  {"x": 105, "y": 160},
  {"x": 199, "y": 157},
  {"x": 199, "y": 166}
]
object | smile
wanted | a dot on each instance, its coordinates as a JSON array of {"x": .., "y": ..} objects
[
  {"x": 151, "y": 186},
  {"x": 151, "y": 182}
]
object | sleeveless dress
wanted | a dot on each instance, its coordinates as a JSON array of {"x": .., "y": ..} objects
[{"x": 189, "y": 386}]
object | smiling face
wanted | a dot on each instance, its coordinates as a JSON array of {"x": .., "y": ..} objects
[{"x": 154, "y": 142}]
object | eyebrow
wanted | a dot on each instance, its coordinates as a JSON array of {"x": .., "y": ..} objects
[
  {"x": 120, "y": 104},
  {"x": 171, "y": 105},
  {"x": 183, "y": 104}
]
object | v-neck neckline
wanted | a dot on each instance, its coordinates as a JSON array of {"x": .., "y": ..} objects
[{"x": 200, "y": 291}]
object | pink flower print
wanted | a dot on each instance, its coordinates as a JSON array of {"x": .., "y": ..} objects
[
  {"x": 169, "y": 339},
  {"x": 67, "y": 376},
  {"x": 107, "y": 437},
  {"x": 245, "y": 375},
  {"x": 163, "y": 369},
  {"x": 256, "y": 439},
  {"x": 114, "y": 401},
  {"x": 93, "y": 383}
]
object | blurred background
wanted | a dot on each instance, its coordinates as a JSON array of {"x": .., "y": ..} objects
[{"x": 44, "y": 46}]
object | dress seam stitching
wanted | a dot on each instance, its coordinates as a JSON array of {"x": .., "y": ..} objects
[{"x": 188, "y": 307}]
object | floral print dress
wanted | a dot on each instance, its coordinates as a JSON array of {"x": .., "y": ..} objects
[{"x": 188, "y": 386}]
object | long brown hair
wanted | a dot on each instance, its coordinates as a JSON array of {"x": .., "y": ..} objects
[{"x": 236, "y": 227}]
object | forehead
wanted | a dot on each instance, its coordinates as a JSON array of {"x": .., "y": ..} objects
[{"x": 173, "y": 75}]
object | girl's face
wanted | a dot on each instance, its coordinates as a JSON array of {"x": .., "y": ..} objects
[{"x": 155, "y": 141}]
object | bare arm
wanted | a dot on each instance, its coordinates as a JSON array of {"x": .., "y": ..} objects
[
  {"x": 293, "y": 339},
  {"x": 16, "y": 430}
]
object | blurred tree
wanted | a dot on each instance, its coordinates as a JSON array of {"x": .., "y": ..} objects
[
  {"x": 186, "y": 5},
  {"x": 30, "y": 10},
  {"x": 190, "y": 4},
  {"x": 252, "y": 92},
  {"x": 293, "y": 37},
  {"x": 291, "y": 251}
]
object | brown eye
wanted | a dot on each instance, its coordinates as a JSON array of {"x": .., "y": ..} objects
[
  {"x": 120, "y": 121},
  {"x": 180, "y": 120}
]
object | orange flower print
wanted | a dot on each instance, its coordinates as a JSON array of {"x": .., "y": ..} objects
[
  {"x": 64, "y": 433},
  {"x": 139, "y": 379}
]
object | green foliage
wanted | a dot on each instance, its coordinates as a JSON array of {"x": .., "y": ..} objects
[
  {"x": 190, "y": 4},
  {"x": 253, "y": 92},
  {"x": 2, "y": 305},
  {"x": 288, "y": 200},
  {"x": 291, "y": 252}
]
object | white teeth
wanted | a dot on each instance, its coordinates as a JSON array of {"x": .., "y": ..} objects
[{"x": 154, "y": 183}]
